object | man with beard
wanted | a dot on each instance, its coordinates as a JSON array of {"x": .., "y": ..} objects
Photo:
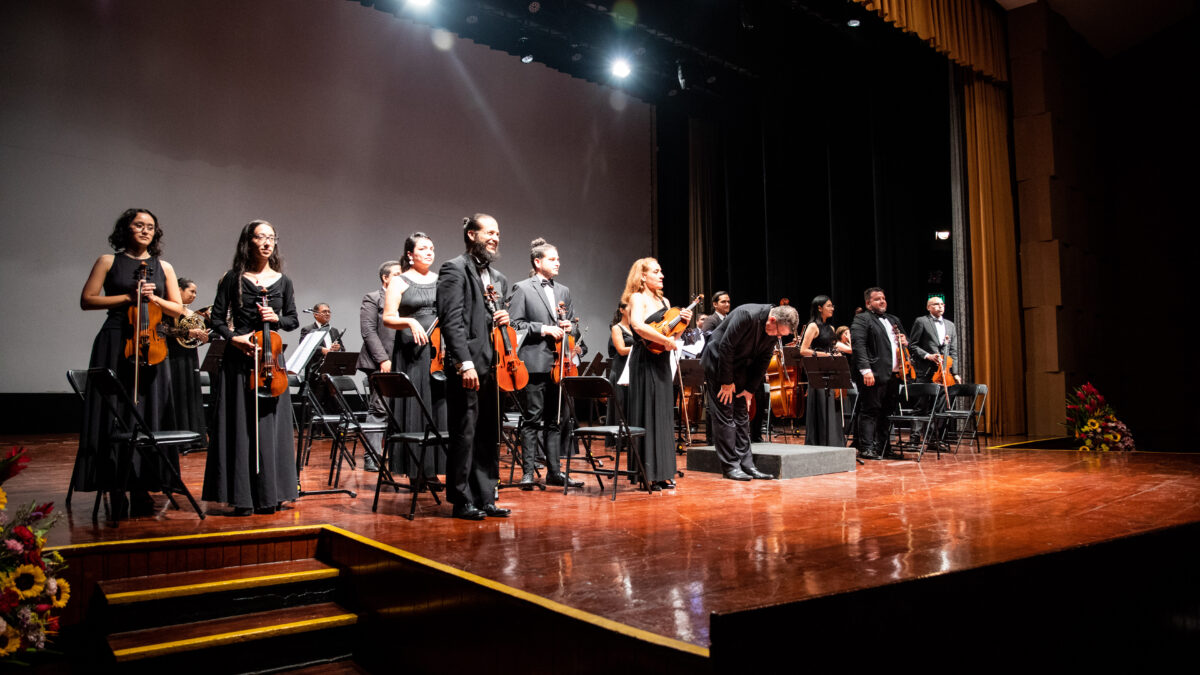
[
  {"x": 472, "y": 397},
  {"x": 875, "y": 339}
]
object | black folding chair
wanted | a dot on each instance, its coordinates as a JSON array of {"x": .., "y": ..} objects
[
  {"x": 134, "y": 435},
  {"x": 348, "y": 427},
  {"x": 621, "y": 434},
  {"x": 77, "y": 378},
  {"x": 967, "y": 403},
  {"x": 392, "y": 387},
  {"x": 908, "y": 419}
]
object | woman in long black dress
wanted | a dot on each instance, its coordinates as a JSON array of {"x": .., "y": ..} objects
[
  {"x": 651, "y": 394},
  {"x": 822, "y": 421},
  {"x": 184, "y": 362},
  {"x": 112, "y": 286},
  {"x": 240, "y": 471},
  {"x": 410, "y": 307},
  {"x": 620, "y": 343}
]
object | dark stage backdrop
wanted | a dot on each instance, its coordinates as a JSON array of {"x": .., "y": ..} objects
[{"x": 345, "y": 127}]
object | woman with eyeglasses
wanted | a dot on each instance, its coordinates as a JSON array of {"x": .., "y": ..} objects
[
  {"x": 250, "y": 462},
  {"x": 114, "y": 286}
]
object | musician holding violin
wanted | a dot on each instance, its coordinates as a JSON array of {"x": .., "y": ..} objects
[
  {"x": 822, "y": 419},
  {"x": 735, "y": 362},
  {"x": 135, "y": 288},
  {"x": 541, "y": 306},
  {"x": 410, "y": 307},
  {"x": 467, "y": 318},
  {"x": 879, "y": 348},
  {"x": 651, "y": 393},
  {"x": 934, "y": 349},
  {"x": 250, "y": 463}
]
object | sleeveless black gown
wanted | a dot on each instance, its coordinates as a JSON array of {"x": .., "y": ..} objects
[
  {"x": 651, "y": 398},
  {"x": 418, "y": 302},
  {"x": 822, "y": 421}
]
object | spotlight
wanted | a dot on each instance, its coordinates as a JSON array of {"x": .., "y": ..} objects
[
  {"x": 941, "y": 235},
  {"x": 419, "y": 4},
  {"x": 621, "y": 68},
  {"x": 528, "y": 58},
  {"x": 854, "y": 23}
]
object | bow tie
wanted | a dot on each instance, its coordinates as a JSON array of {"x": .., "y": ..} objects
[{"x": 548, "y": 282}]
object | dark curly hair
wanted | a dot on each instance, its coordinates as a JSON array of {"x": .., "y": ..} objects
[{"x": 121, "y": 237}]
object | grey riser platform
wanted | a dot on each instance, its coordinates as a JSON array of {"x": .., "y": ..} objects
[{"x": 781, "y": 459}]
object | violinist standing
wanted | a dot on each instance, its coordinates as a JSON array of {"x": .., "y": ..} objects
[
  {"x": 112, "y": 286},
  {"x": 472, "y": 396},
  {"x": 933, "y": 337},
  {"x": 735, "y": 363},
  {"x": 249, "y": 477},
  {"x": 875, "y": 368},
  {"x": 534, "y": 308}
]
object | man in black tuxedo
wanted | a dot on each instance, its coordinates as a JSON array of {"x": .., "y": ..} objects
[
  {"x": 932, "y": 338},
  {"x": 875, "y": 337},
  {"x": 735, "y": 361},
  {"x": 472, "y": 397},
  {"x": 376, "y": 353},
  {"x": 533, "y": 308},
  {"x": 321, "y": 315},
  {"x": 720, "y": 309}
]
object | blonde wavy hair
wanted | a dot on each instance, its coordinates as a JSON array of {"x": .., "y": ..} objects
[{"x": 634, "y": 282}]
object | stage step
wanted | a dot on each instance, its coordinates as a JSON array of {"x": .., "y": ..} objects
[
  {"x": 181, "y": 584},
  {"x": 781, "y": 459},
  {"x": 206, "y": 635}
]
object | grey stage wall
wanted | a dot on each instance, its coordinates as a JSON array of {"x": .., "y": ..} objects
[{"x": 345, "y": 127}]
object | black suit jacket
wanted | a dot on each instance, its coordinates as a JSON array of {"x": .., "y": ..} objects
[
  {"x": 739, "y": 350},
  {"x": 530, "y": 311},
  {"x": 923, "y": 340},
  {"x": 464, "y": 318},
  {"x": 871, "y": 345},
  {"x": 711, "y": 322},
  {"x": 377, "y": 338}
]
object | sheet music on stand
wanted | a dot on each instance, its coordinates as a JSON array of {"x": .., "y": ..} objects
[{"x": 297, "y": 362}]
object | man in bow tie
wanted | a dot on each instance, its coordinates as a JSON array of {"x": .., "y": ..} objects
[
  {"x": 534, "y": 309},
  {"x": 933, "y": 338}
]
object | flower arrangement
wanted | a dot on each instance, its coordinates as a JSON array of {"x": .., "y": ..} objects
[
  {"x": 30, "y": 587},
  {"x": 1092, "y": 422}
]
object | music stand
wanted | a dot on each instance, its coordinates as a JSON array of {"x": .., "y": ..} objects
[
  {"x": 691, "y": 374},
  {"x": 212, "y": 358},
  {"x": 829, "y": 372},
  {"x": 335, "y": 363}
]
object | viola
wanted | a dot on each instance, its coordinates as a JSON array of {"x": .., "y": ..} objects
[
  {"x": 270, "y": 379},
  {"x": 672, "y": 325},
  {"x": 146, "y": 345},
  {"x": 511, "y": 374},
  {"x": 565, "y": 366},
  {"x": 437, "y": 358}
]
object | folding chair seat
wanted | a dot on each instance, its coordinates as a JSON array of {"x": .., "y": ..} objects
[
  {"x": 134, "y": 435},
  {"x": 961, "y": 419},
  {"x": 347, "y": 427},
  {"x": 392, "y": 387},
  {"x": 908, "y": 419},
  {"x": 592, "y": 387}
]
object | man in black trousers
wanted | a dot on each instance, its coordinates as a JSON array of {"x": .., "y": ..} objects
[
  {"x": 534, "y": 308},
  {"x": 735, "y": 361},
  {"x": 875, "y": 338},
  {"x": 472, "y": 397}
]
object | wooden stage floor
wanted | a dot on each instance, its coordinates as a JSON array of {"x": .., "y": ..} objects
[{"x": 665, "y": 562}]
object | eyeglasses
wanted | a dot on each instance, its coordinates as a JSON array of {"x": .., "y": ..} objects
[
  {"x": 266, "y": 237},
  {"x": 144, "y": 227}
]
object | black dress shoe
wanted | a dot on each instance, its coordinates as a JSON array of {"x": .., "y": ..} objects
[
  {"x": 561, "y": 479},
  {"x": 493, "y": 511},
  {"x": 760, "y": 475},
  {"x": 737, "y": 474},
  {"x": 240, "y": 511},
  {"x": 665, "y": 484},
  {"x": 468, "y": 512},
  {"x": 868, "y": 455},
  {"x": 527, "y": 481}
]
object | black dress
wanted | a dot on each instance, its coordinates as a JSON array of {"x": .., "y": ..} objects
[
  {"x": 617, "y": 366},
  {"x": 822, "y": 421},
  {"x": 96, "y": 462},
  {"x": 418, "y": 302},
  {"x": 651, "y": 399},
  {"x": 186, "y": 397},
  {"x": 232, "y": 475}
]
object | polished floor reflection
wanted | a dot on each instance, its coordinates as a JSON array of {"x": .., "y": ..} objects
[{"x": 664, "y": 562}]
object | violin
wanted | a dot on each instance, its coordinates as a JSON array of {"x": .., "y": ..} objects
[
  {"x": 565, "y": 366},
  {"x": 671, "y": 325},
  {"x": 270, "y": 379},
  {"x": 437, "y": 359},
  {"x": 907, "y": 370},
  {"x": 146, "y": 344},
  {"x": 511, "y": 374},
  {"x": 943, "y": 376}
]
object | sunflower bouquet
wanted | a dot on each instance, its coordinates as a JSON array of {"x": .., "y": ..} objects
[
  {"x": 1092, "y": 422},
  {"x": 30, "y": 588}
]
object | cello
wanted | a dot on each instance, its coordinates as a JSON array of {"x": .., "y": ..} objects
[
  {"x": 671, "y": 325},
  {"x": 146, "y": 345},
  {"x": 786, "y": 393},
  {"x": 511, "y": 374}
]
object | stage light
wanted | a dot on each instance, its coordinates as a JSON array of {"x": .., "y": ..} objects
[
  {"x": 528, "y": 58},
  {"x": 854, "y": 23},
  {"x": 419, "y": 4},
  {"x": 941, "y": 235},
  {"x": 442, "y": 39},
  {"x": 621, "y": 68}
]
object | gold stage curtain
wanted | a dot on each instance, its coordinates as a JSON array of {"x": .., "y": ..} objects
[
  {"x": 995, "y": 297},
  {"x": 969, "y": 32}
]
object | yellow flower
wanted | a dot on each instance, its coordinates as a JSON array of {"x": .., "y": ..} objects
[
  {"x": 10, "y": 641},
  {"x": 1083, "y": 448},
  {"x": 29, "y": 581},
  {"x": 1092, "y": 425},
  {"x": 3, "y": 499},
  {"x": 64, "y": 593}
]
